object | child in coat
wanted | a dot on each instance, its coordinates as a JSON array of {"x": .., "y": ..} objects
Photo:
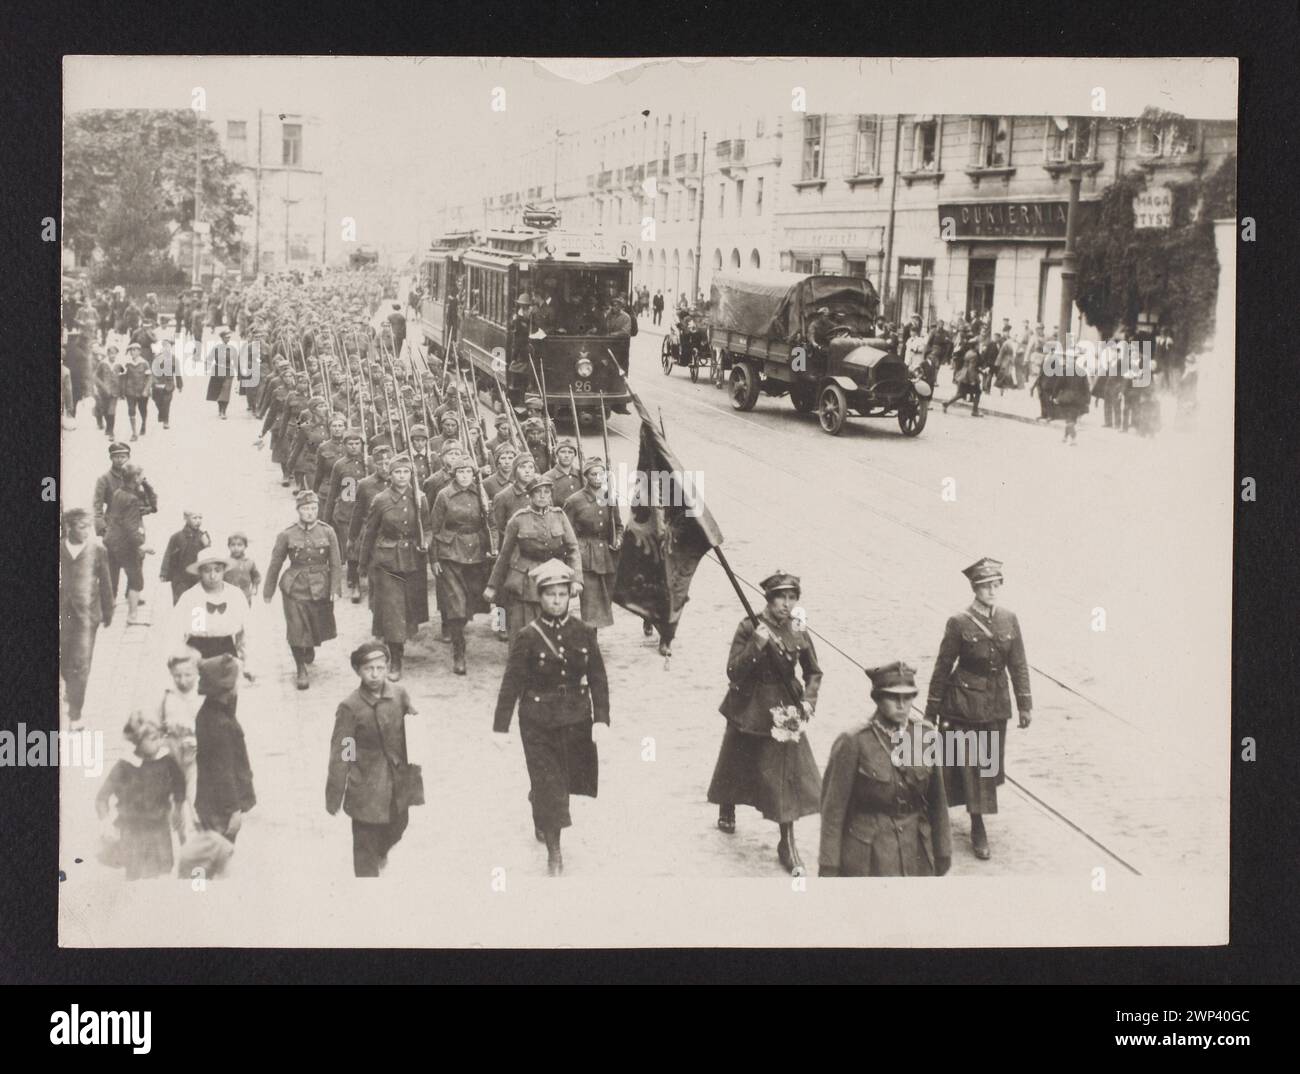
[{"x": 150, "y": 797}]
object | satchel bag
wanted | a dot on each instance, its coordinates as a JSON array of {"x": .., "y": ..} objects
[{"x": 408, "y": 779}]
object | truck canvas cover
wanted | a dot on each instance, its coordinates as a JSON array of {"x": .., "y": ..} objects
[{"x": 776, "y": 305}]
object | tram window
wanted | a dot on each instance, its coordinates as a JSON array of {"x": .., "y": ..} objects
[{"x": 576, "y": 301}]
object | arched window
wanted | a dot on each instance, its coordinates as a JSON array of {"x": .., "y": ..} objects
[
  {"x": 717, "y": 260},
  {"x": 677, "y": 273},
  {"x": 753, "y": 259},
  {"x": 735, "y": 258},
  {"x": 689, "y": 281}
]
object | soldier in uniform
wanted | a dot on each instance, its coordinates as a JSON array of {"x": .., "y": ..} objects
[
  {"x": 449, "y": 433},
  {"x": 884, "y": 811},
  {"x": 599, "y": 536},
  {"x": 556, "y": 675},
  {"x": 460, "y": 553},
  {"x": 311, "y": 433},
  {"x": 309, "y": 586},
  {"x": 502, "y": 426},
  {"x": 514, "y": 497},
  {"x": 420, "y": 455},
  {"x": 503, "y": 455},
  {"x": 532, "y": 536},
  {"x": 969, "y": 692},
  {"x": 441, "y": 477},
  {"x": 565, "y": 472},
  {"x": 329, "y": 452},
  {"x": 340, "y": 499},
  {"x": 535, "y": 443},
  {"x": 393, "y": 557},
  {"x": 759, "y": 764},
  {"x": 381, "y": 455}
]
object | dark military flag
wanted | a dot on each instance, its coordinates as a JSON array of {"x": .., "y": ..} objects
[{"x": 668, "y": 533}]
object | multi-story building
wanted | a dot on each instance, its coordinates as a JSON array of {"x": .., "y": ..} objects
[
  {"x": 281, "y": 157},
  {"x": 951, "y": 213}
]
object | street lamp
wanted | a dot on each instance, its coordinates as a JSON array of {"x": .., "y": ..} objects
[{"x": 1069, "y": 262}]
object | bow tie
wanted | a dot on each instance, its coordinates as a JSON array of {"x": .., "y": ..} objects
[{"x": 217, "y": 609}]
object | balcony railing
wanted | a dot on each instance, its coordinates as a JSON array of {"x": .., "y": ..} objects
[
  {"x": 685, "y": 162},
  {"x": 604, "y": 179}
]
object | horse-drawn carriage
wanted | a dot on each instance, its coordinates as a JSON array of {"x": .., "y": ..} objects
[{"x": 686, "y": 344}]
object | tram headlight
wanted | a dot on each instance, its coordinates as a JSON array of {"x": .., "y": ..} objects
[{"x": 584, "y": 367}]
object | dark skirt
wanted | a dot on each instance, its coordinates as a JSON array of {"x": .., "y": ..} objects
[
  {"x": 963, "y": 783},
  {"x": 146, "y": 850},
  {"x": 779, "y": 779},
  {"x": 596, "y": 600},
  {"x": 460, "y": 589},
  {"x": 519, "y": 613},
  {"x": 308, "y": 622},
  {"x": 219, "y": 389},
  {"x": 399, "y": 601},
  {"x": 214, "y": 646},
  {"x": 561, "y": 761}
]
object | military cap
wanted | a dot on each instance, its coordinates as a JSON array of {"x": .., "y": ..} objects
[
  {"x": 895, "y": 678},
  {"x": 118, "y": 448},
  {"x": 538, "y": 482},
  {"x": 502, "y": 449},
  {"x": 451, "y": 447},
  {"x": 464, "y": 463},
  {"x": 380, "y": 442},
  {"x": 550, "y": 573},
  {"x": 305, "y": 497},
  {"x": 399, "y": 461},
  {"x": 566, "y": 443},
  {"x": 419, "y": 430},
  {"x": 779, "y": 581},
  {"x": 339, "y": 419},
  {"x": 532, "y": 400},
  {"x": 984, "y": 570},
  {"x": 367, "y": 651},
  {"x": 352, "y": 434},
  {"x": 593, "y": 462},
  {"x": 316, "y": 400}
]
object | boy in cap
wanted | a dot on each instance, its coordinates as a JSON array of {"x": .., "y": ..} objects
[
  {"x": 367, "y": 761},
  {"x": 883, "y": 810}
]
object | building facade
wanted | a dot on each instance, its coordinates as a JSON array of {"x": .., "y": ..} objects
[
  {"x": 943, "y": 213},
  {"x": 281, "y": 156}
]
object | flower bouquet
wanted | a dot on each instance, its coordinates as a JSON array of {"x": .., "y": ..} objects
[{"x": 788, "y": 722}]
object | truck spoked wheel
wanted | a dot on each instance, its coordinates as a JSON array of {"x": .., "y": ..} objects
[
  {"x": 832, "y": 409},
  {"x": 744, "y": 387},
  {"x": 912, "y": 415}
]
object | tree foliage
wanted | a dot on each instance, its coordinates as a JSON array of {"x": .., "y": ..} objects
[
  {"x": 1170, "y": 274},
  {"x": 129, "y": 184}
]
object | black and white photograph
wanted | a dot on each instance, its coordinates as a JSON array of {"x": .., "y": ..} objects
[{"x": 679, "y": 502}]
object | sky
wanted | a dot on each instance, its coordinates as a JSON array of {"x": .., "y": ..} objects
[{"x": 405, "y": 135}]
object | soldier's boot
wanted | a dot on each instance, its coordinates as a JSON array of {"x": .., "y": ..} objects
[
  {"x": 396, "y": 650},
  {"x": 444, "y": 633},
  {"x": 647, "y": 628},
  {"x": 787, "y": 852},
  {"x": 979, "y": 839},
  {"x": 354, "y": 582},
  {"x": 554, "y": 860},
  {"x": 300, "y": 667},
  {"x": 458, "y": 648},
  {"x": 727, "y": 819},
  {"x": 134, "y": 433}
]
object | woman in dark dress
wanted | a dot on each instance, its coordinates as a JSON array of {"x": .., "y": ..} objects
[
  {"x": 460, "y": 554},
  {"x": 310, "y": 585},
  {"x": 765, "y": 763}
]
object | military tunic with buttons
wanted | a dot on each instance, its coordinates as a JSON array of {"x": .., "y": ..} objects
[
  {"x": 309, "y": 586},
  {"x": 591, "y": 522},
  {"x": 969, "y": 691},
  {"x": 339, "y": 500},
  {"x": 557, "y": 676},
  {"x": 329, "y": 452},
  {"x": 881, "y": 818},
  {"x": 566, "y": 484},
  {"x": 394, "y": 559},
  {"x": 460, "y": 545},
  {"x": 531, "y": 537},
  {"x": 367, "y": 489}
]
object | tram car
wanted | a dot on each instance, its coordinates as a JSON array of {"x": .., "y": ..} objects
[
  {"x": 572, "y": 284},
  {"x": 439, "y": 282}
]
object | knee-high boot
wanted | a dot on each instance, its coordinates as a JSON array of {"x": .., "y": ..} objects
[
  {"x": 396, "y": 650},
  {"x": 457, "y": 628},
  {"x": 787, "y": 852},
  {"x": 300, "y": 664},
  {"x": 554, "y": 860}
]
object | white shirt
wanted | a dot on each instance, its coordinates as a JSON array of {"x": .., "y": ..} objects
[
  {"x": 192, "y": 617},
  {"x": 75, "y": 550}
]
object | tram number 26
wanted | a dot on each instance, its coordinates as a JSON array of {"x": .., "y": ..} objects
[{"x": 582, "y": 385}]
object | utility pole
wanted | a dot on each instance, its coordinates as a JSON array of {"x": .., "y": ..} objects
[
  {"x": 257, "y": 192},
  {"x": 699, "y": 224},
  {"x": 1069, "y": 262}
]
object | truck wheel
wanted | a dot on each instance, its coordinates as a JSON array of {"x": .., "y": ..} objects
[
  {"x": 912, "y": 415},
  {"x": 832, "y": 409},
  {"x": 804, "y": 399},
  {"x": 744, "y": 387}
]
